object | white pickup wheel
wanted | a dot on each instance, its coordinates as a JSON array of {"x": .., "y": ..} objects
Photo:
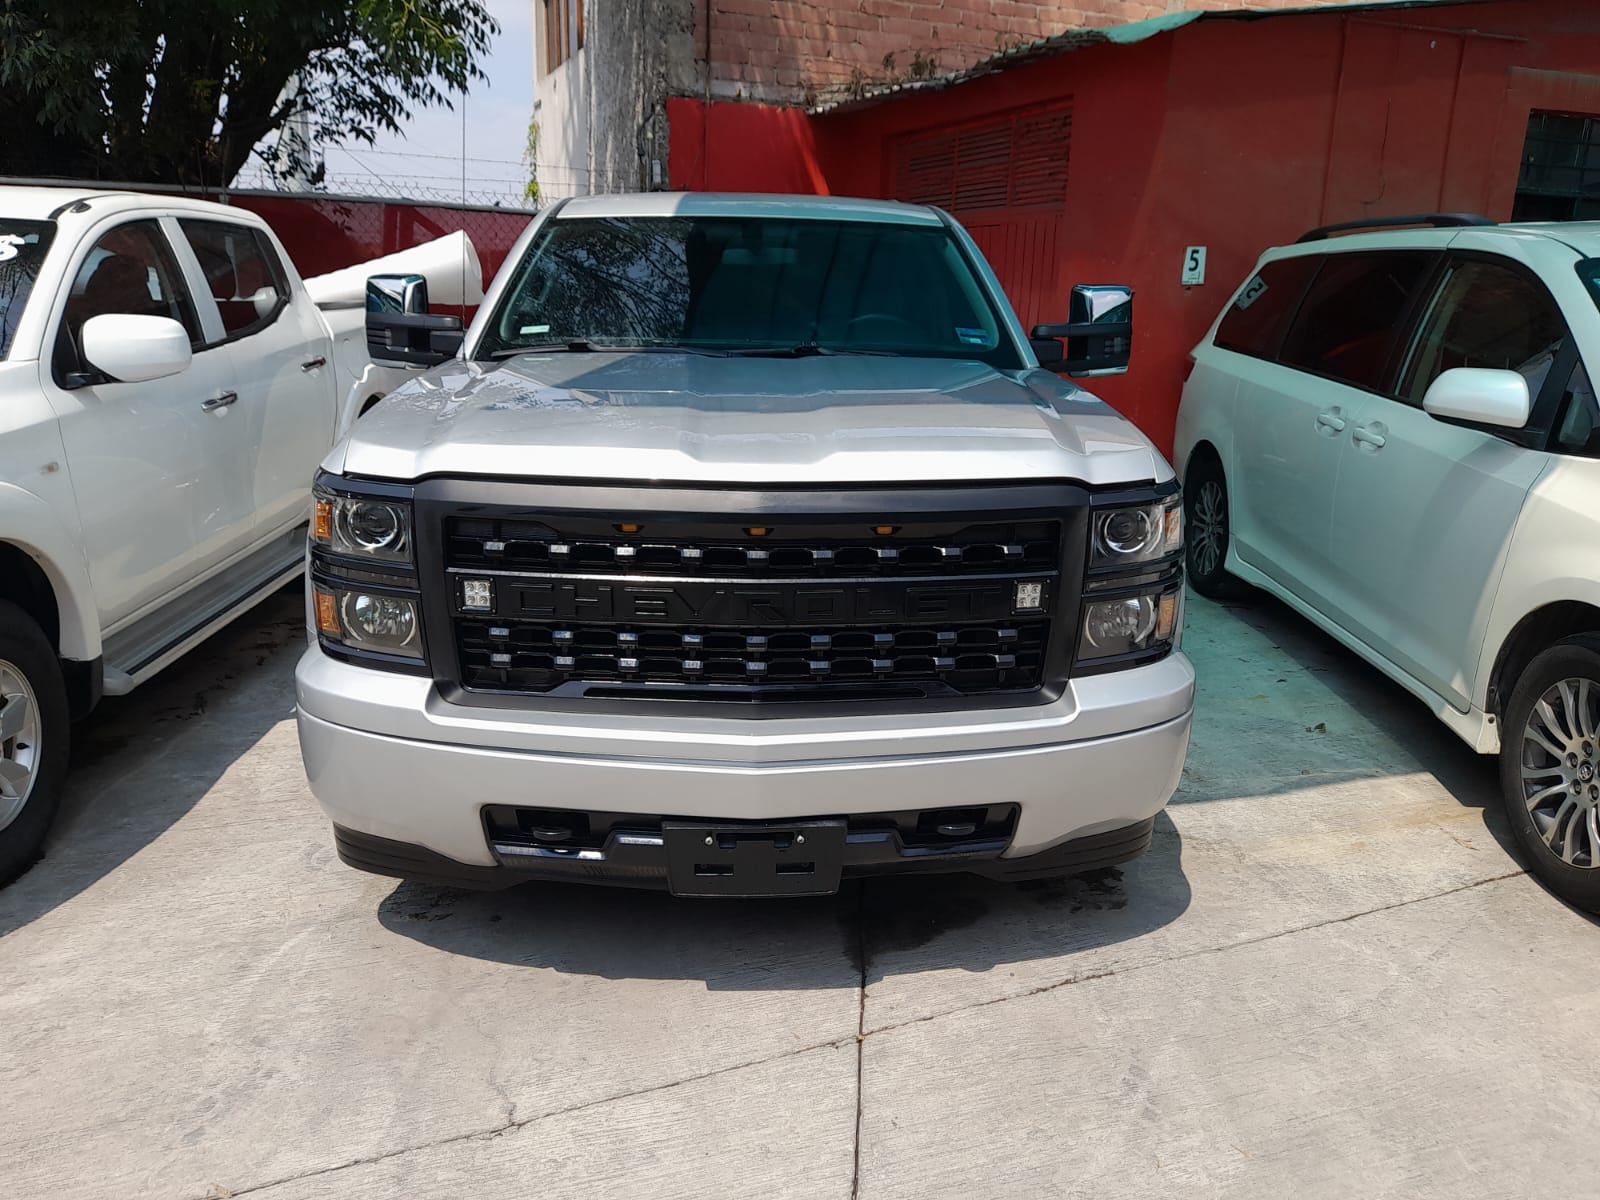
[{"x": 34, "y": 730}]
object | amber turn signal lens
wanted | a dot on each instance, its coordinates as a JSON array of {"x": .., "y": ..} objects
[
  {"x": 1167, "y": 617},
  {"x": 757, "y": 531},
  {"x": 628, "y": 527},
  {"x": 327, "y": 613},
  {"x": 884, "y": 530},
  {"x": 322, "y": 521}
]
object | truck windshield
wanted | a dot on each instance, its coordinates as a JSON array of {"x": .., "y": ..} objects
[
  {"x": 749, "y": 285},
  {"x": 23, "y": 245},
  {"x": 1589, "y": 272}
]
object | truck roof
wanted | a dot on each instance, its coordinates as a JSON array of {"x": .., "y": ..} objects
[
  {"x": 38, "y": 203},
  {"x": 712, "y": 204}
]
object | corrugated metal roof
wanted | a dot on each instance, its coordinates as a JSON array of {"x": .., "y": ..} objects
[{"x": 1121, "y": 35}]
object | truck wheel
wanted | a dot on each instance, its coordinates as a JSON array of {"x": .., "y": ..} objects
[
  {"x": 1550, "y": 769},
  {"x": 33, "y": 740},
  {"x": 1205, "y": 519}
]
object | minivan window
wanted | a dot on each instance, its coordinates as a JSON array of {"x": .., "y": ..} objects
[
  {"x": 1486, "y": 314},
  {"x": 1349, "y": 324},
  {"x": 23, "y": 245},
  {"x": 749, "y": 284},
  {"x": 1255, "y": 321}
]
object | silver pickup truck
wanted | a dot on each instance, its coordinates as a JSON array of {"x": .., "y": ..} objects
[{"x": 744, "y": 545}]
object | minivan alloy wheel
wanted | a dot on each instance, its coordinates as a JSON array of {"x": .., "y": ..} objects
[
  {"x": 19, "y": 741},
  {"x": 1560, "y": 770},
  {"x": 1209, "y": 526}
]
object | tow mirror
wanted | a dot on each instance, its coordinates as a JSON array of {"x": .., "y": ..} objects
[
  {"x": 1480, "y": 396},
  {"x": 1099, "y": 333},
  {"x": 400, "y": 329}
]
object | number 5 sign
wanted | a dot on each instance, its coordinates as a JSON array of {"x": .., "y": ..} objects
[{"x": 1194, "y": 266}]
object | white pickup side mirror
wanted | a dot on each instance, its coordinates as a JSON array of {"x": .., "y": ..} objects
[
  {"x": 134, "y": 349},
  {"x": 1482, "y": 395}
]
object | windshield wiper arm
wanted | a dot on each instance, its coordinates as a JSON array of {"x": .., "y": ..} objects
[
  {"x": 806, "y": 350},
  {"x": 579, "y": 346}
]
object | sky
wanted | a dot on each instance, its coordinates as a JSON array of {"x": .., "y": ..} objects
[{"x": 424, "y": 160}]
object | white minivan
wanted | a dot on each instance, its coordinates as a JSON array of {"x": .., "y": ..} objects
[{"x": 1396, "y": 433}]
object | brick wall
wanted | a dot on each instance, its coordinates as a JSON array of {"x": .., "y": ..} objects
[{"x": 807, "y": 51}]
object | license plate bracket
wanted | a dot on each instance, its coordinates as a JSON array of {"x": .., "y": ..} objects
[{"x": 754, "y": 859}]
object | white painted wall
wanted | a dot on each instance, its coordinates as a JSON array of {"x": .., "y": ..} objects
[{"x": 561, "y": 105}]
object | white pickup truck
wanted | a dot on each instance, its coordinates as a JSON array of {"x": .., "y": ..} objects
[{"x": 168, "y": 385}]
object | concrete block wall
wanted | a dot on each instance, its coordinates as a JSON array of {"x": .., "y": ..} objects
[{"x": 811, "y": 51}]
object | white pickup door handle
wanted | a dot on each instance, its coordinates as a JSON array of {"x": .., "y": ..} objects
[
  {"x": 1370, "y": 435},
  {"x": 1330, "y": 421},
  {"x": 221, "y": 401}
]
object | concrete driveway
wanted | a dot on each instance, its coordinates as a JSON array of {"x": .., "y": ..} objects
[{"x": 1328, "y": 979}]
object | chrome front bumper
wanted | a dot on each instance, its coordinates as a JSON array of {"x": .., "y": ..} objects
[{"x": 390, "y": 760}]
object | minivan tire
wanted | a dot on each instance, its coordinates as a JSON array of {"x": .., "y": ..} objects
[
  {"x": 34, "y": 730},
  {"x": 1530, "y": 768},
  {"x": 1206, "y": 530}
]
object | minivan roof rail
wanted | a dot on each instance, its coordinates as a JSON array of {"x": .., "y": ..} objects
[{"x": 1437, "y": 220}]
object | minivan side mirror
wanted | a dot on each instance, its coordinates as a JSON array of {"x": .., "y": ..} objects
[
  {"x": 401, "y": 332},
  {"x": 129, "y": 348},
  {"x": 1099, "y": 333},
  {"x": 1479, "y": 395}
]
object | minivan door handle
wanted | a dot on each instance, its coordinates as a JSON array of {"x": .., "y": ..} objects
[
  {"x": 1330, "y": 422},
  {"x": 1370, "y": 435},
  {"x": 222, "y": 401}
]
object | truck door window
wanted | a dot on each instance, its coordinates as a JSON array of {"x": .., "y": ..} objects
[
  {"x": 243, "y": 272},
  {"x": 1485, "y": 314},
  {"x": 130, "y": 269}
]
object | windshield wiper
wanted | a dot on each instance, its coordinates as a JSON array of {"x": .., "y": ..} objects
[
  {"x": 579, "y": 346},
  {"x": 806, "y": 350}
]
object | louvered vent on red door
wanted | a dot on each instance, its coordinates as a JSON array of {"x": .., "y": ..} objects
[{"x": 1018, "y": 161}]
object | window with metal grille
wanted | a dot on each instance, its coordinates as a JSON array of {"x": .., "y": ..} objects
[
  {"x": 1017, "y": 161},
  {"x": 1560, "y": 176},
  {"x": 563, "y": 31}
]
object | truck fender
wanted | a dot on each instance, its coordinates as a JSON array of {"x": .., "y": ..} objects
[{"x": 33, "y": 526}]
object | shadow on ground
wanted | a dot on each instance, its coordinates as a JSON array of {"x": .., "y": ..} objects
[
  {"x": 617, "y": 933},
  {"x": 140, "y": 762},
  {"x": 1420, "y": 741}
]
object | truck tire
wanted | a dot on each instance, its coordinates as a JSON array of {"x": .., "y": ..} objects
[
  {"x": 1550, "y": 769},
  {"x": 34, "y": 731}
]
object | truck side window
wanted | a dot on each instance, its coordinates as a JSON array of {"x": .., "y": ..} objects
[
  {"x": 1256, "y": 320},
  {"x": 129, "y": 270},
  {"x": 1486, "y": 315},
  {"x": 243, "y": 272}
]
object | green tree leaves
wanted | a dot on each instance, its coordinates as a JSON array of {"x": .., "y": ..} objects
[{"x": 182, "y": 91}]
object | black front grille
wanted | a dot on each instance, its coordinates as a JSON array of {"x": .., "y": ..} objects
[
  {"x": 626, "y": 594},
  {"x": 496, "y": 544},
  {"x": 966, "y": 658}
]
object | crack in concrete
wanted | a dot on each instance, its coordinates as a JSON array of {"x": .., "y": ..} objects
[
  {"x": 861, "y": 1030},
  {"x": 860, "y": 1038},
  {"x": 487, "y": 1135},
  {"x": 1159, "y": 962}
]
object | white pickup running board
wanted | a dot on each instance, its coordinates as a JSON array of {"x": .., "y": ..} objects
[{"x": 138, "y": 652}]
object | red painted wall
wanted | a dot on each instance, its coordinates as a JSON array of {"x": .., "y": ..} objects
[
  {"x": 1235, "y": 135},
  {"x": 324, "y": 233}
]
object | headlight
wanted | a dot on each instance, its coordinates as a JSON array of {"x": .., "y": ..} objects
[
  {"x": 369, "y": 620},
  {"x": 366, "y": 605},
  {"x": 1129, "y": 624},
  {"x": 1128, "y": 536},
  {"x": 362, "y": 528}
]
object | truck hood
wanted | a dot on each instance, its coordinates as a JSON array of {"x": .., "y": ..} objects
[{"x": 694, "y": 418}]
